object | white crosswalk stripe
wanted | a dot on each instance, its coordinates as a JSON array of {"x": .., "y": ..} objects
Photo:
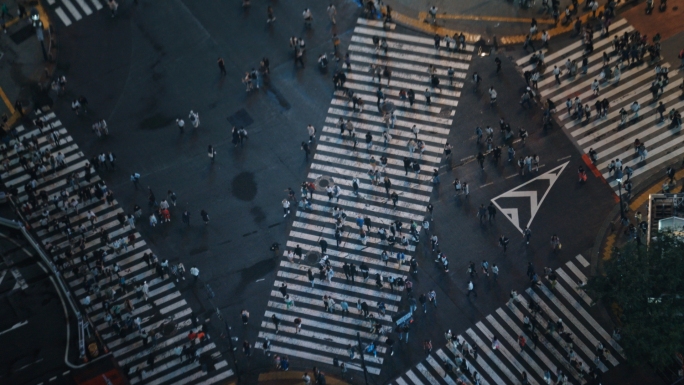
[
  {"x": 77, "y": 9},
  {"x": 545, "y": 350},
  {"x": 165, "y": 303},
  {"x": 606, "y": 135},
  {"x": 326, "y": 336}
]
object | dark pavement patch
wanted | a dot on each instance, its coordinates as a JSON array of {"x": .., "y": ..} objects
[
  {"x": 244, "y": 187},
  {"x": 258, "y": 214},
  {"x": 155, "y": 121},
  {"x": 274, "y": 93},
  {"x": 241, "y": 118},
  {"x": 254, "y": 272},
  {"x": 23, "y": 34}
]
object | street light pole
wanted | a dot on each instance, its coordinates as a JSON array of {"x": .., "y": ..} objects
[
  {"x": 622, "y": 211},
  {"x": 363, "y": 361},
  {"x": 38, "y": 25},
  {"x": 230, "y": 343}
]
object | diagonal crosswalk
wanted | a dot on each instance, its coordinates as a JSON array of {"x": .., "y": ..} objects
[
  {"x": 165, "y": 305},
  {"x": 606, "y": 135},
  {"x": 70, "y": 11},
  {"x": 325, "y": 336},
  {"x": 546, "y": 353}
]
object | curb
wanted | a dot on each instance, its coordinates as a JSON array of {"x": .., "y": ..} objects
[
  {"x": 46, "y": 76},
  {"x": 421, "y": 25}
]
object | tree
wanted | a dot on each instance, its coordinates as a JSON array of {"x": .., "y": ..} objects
[{"x": 645, "y": 287}]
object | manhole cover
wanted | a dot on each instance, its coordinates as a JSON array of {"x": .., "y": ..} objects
[
  {"x": 323, "y": 181},
  {"x": 313, "y": 257}
]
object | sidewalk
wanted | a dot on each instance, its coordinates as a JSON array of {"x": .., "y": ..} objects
[
  {"x": 293, "y": 378},
  {"x": 25, "y": 75},
  {"x": 615, "y": 236},
  {"x": 508, "y": 23}
]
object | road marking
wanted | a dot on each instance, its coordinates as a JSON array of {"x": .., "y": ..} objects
[
  {"x": 15, "y": 326},
  {"x": 578, "y": 343},
  {"x": 574, "y": 286},
  {"x": 72, "y": 9},
  {"x": 414, "y": 378},
  {"x": 511, "y": 213},
  {"x": 97, "y": 4},
  {"x": 84, "y": 7},
  {"x": 5, "y": 99},
  {"x": 564, "y": 158},
  {"x": 446, "y": 16},
  {"x": 438, "y": 368},
  {"x": 423, "y": 370},
  {"x": 484, "y": 348}
]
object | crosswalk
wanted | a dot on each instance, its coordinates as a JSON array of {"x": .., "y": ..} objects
[
  {"x": 165, "y": 306},
  {"x": 546, "y": 353},
  {"x": 324, "y": 336},
  {"x": 605, "y": 135},
  {"x": 70, "y": 11}
]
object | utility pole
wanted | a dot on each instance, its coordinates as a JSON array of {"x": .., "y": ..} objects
[
  {"x": 230, "y": 343},
  {"x": 363, "y": 361},
  {"x": 622, "y": 211}
]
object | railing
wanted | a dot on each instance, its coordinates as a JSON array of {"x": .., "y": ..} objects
[{"x": 60, "y": 283}]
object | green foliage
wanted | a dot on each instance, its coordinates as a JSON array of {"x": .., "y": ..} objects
[{"x": 645, "y": 287}]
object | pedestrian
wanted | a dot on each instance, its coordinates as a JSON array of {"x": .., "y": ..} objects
[
  {"x": 557, "y": 74},
  {"x": 427, "y": 346},
  {"x": 222, "y": 66},
  {"x": 545, "y": 37},
  {"x": 270, "y": 17},
  {"x": 205, "y": 217},
  {"x": 135, "y": 177},
  {"x": 492, "y": 95},
  {"x": 423, "y": 301},
  {"x": 194, "y": 271},
  {"x": 471, "y": 289},
  {"x": 244, "y": 314},
  {"x": 503, "y": 242},
  {"x": 308, "y": 18},
  {"x": 495, "y": 343},
  {"x": 521, "y": 342},
  {"x": 432, "y": 297},
  {"x": 433, "y": 14},
  {"x": 211, "y": 152},
  {"x": 307, "y": 151},
  {"x": 113, "y": 6},
  {"x": 276, "y": 322},
  {"x": 332, "y": 12}
]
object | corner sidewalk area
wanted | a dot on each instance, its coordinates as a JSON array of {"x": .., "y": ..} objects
[
  {"x": 26, "y": 66},
  {"x": 293, "y": 378}
]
